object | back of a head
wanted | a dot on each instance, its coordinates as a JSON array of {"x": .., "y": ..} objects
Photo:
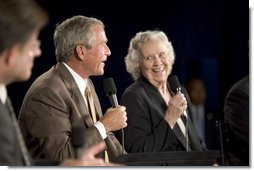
[{"x": 19, "y": 19}]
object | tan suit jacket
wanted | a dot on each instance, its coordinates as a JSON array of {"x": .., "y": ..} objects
[{"x": 52, "y": 105}]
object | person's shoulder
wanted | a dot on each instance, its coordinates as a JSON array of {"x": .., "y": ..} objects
[
  {"x": 49, "y": 82},
  {"x": 130, "y": 88},
  {"x": 243, "y": 82},
  {"x": 134, "y": 87},
  {"x": 240, "y": 86}
]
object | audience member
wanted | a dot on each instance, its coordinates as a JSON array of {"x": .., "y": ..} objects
[
  {"x": 202, "y": 117},
  {"x": 21, "y": 22},
  {"x": 236, "y": 115}
]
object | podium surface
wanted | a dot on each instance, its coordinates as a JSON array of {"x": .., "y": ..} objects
[{"x": 174, "y": 158}]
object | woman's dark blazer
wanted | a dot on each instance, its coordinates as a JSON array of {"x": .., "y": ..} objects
[{"x": 147, "y": 130}]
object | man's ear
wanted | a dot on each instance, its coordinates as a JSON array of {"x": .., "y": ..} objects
[
  {"x": 12, "y": 54},
  {"x": 80, "y": 51}
]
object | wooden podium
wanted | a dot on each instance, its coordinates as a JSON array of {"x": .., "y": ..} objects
[{"x": 174, "y": 158}]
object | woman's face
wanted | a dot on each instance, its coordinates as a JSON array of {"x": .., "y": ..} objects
[{"x": 156, "y": 64}]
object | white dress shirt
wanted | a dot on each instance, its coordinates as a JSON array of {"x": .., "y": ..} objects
[
  {"x": 3, "y": 93},
  {"x": 82, "y": 83}
]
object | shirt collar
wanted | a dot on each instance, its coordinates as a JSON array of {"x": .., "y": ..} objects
[
  {"x": 78, "y": 79},
  {"x": 3, "y": 93}
]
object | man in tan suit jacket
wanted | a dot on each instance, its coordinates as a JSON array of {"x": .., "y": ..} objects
[{"x": 55, "y": 102}]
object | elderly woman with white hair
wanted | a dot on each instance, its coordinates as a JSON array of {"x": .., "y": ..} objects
[{"x": 153, "y": 110}]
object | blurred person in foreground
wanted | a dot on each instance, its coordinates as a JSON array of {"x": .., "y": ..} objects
[
  {"x": 236, "y": 115},
  {"x": 57, "y": 100},
  {"x": 154, "y": 112},
  {"x": 20, "y": 24}
]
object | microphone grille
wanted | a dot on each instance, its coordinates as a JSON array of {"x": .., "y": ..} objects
[
  {"x": 174, "y": 83},
  {"x": 109, "y": 86}
]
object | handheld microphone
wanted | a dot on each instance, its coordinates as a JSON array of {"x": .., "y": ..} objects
[
  {"x": 176, "y": 88},
  {"x": 110, "y": 90},
  {"x": 77, "y": 140}
]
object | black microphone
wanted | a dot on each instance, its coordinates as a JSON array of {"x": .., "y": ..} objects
[
  {"x": 176, "y": 88},
  {"x": 77, "y": 139},
  {"x": 110, "y": 90}
]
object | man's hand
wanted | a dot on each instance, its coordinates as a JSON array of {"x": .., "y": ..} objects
[{"x": 88, "y": 158}]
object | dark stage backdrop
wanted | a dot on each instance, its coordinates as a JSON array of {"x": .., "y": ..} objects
[{"x": 210, "y": 39}]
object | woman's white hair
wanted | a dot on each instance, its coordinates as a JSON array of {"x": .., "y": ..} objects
[{"x": 134, "y": 52}]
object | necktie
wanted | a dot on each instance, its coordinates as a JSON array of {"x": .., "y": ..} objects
[
  {"x": 23, "y": 148},
  {"x": 90, "y": 102}
]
